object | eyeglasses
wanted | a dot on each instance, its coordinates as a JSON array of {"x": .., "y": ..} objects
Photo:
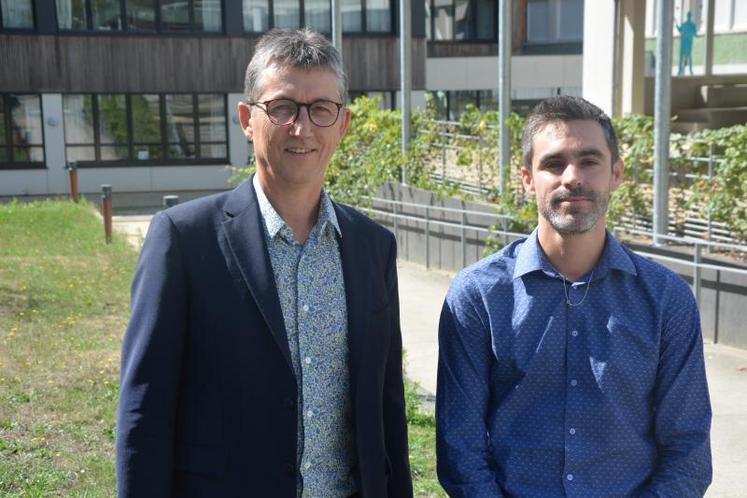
[{"x": 284, "y": 112}]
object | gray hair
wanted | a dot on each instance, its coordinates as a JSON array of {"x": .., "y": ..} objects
[
  {"x": 300, "y": 48},
  {"x": 563, "y": 109}
]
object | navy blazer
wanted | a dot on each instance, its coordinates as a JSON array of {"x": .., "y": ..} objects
[{"x": 208, "y": 396}]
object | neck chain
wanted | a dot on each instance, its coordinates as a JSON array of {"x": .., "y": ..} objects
[{"x": 568, "y": 297}]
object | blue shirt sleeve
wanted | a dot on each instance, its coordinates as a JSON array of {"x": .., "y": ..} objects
[
  {"x": 682, "y": 409},
  {"x": 464, "y": 462}
]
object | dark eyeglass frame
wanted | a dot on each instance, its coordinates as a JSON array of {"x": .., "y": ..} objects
[{"x": 299, "y": 105}]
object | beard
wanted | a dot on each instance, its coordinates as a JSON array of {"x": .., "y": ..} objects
[{"x": 573, "y": 220}]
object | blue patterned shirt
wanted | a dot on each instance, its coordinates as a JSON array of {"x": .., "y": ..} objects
[
  {"x": 539, "y": 398},
  {"x": 311, "y": 289}
]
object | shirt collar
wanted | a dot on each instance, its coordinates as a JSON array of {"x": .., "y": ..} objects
[
  {"x": 531, "y": 258},
  {"x": 274, "y": 222}
]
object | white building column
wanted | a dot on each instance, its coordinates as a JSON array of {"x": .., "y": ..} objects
[
  {"x": 54, "y": 143},
  {"x": 238, "y": 146},
  {"x": 633, "y": 14},
  {"x": 599, "y": 54}
]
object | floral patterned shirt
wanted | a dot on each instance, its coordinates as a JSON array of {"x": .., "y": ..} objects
[{"x": 311, "y": 289}]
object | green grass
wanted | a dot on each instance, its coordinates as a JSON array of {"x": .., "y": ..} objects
[{"x": 63, "y": 308}]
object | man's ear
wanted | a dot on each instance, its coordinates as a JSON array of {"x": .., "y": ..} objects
[
  {"x": 245, "y": 119},
  {"x": 346, "y": 117},
  {"x": 617, "y": 175},
  {"x": 527, "y": 180}
]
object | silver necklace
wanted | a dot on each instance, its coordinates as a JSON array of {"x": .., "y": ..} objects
[{"x": 568, "y": 297}]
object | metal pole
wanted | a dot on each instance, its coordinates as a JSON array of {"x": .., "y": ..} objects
[
  {"x": 710, "y": 180},
  {"x": 710, "y": 19},
  {"x": 72, "y": 169},
  {"x": 405, "y": 71},
  {"x": 463, "y": 238},
  {"x": 106, "y": 211},
  {"x": 427, "y": 240},
  {"x": 662, "y": 113},
  {"x": 337, "y": 26},
  {"x": 696, "y": 275},
  {"x": 504, "y": 89}
]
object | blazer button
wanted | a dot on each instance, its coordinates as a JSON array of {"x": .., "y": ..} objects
[
  {"x": 289, "y": 469},
  {"x": 290, "y": 404}
]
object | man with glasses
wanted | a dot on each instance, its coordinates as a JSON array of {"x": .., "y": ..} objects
[{"x": 263, "y": 356}]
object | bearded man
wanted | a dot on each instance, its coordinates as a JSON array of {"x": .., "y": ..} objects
[{"x": 568, "y": 365}]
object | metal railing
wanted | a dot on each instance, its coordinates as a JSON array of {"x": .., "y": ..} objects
[{"x": 696, "y": 263}]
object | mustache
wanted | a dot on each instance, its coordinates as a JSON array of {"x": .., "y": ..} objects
[{"x": 567, "y": 194}]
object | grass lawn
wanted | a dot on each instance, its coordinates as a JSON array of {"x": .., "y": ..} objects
[{"x": 64, "y": 298}]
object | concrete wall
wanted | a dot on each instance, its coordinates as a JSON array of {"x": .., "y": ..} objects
[{"x": 723, "y": 305}]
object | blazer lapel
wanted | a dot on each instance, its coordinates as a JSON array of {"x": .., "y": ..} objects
[
  {"x": 358, "y": 293},
  {"x": 244, "y": 246}
]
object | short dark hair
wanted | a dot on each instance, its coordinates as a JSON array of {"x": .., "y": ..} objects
[
  {"x": 562, "y": 109},
  {"x": 301, "y": 48}
]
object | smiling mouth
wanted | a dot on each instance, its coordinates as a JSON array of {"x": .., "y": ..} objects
[{"x": 299, "y": 150}]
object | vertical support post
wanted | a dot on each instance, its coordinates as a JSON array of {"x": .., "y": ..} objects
[
  {"x": 72, "y": 170},
  {"x": 662, "y": 115},
  {"x": 717, "y": 306},
  {"x": 504, "y": 89},
  {"x": 337, "y": 26},
  {"x": 427, "y": 239},
  {"x": 463, "y": 237},
  {"x": 710, "y": 20},
  {"x": 710, "y": 181},
  {"x": 697, "y": 274},
  {"x": 106, "y": 211},
  {"x": 405, "y": 70}
]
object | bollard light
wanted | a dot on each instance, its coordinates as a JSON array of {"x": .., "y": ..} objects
[
  {"x": 106, "y": 211},
  {"x": 72, "y": 170}
]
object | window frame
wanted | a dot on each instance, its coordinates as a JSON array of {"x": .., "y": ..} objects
[
  {"x": 7, "y": 122},
  {"x": 163, "y": 144},
  {"x": 158, "y": 21},
  {"x": 31, "y": 29},
  {"x": 472, "y": 23},
  {"x": 302, "y": 19}
]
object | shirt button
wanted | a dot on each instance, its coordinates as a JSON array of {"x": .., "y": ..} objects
[
  {"x": 569, "y": 477},
  {"x": 307, "y": 465},
  {"x": 310, "y": 413},
  {"x": 574, "y": 382},
  {"x": 574, "y": 333},
  {"x": 572, "y": 431},
  {"x": 307, "y": 360},
  {"x": 306, "y": 307}
]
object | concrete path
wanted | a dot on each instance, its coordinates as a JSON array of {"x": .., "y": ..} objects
[{"x": 421, "y": 296}]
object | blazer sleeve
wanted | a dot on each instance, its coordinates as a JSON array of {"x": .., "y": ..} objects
[
  {"x": 151, "y": 366},
  {"x": 395, "y": 420}
]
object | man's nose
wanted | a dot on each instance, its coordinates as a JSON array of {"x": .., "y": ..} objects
[
  {"x": 572, "y": 175},
  {"x": 302, "y": 126}
]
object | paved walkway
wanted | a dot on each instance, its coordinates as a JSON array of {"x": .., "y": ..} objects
[{"x": 421, "y": 295}]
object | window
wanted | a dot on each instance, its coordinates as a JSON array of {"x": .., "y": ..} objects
[
  {"x": 358, "y": 16},
  {"x": 140, "y": 15},
  {"x": 21, "y": 135},
  {"x": 146, "y": 128},
  {"x": 16, "y": 14},
  {"x": 555, "y": 21},
  {"x": 467, "y": 20}
]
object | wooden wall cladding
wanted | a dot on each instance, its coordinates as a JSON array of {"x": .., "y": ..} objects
[{"x": 138, "y": 64}]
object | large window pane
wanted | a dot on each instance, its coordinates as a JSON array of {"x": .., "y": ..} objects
[
  {"x": 460, "y": 101},
  {"x": 180, "y": 130},
  {"x": 175, "y": 15},
  {"x": 213, "y": 151},
  {"x": 461, "y": 20},
  {"x": 71, "y": 14},
  {"x": 28, "y": 154},
  {"x": 212, "y": 118},
  {"x": 488, "y": 100},
  {"x": 351, "y": 16},
  {"x": 208, "y": 16},
  {"x": 318, "y": 15},
  {"x": 106, "y": 14},
  {"x": 112, "y": 119},
  {"x": 17, "y": 14},
  {"x": 256, "y": 16},
  {"x": 485, "y": 20},
  {"x": 740, "y": 14},
  {"x": 287, "y": 14},
  {"x": 570, "y": 20},
  {"x": 114, "y": 152},
  {"x": 443, "y": 20},
  {"x": 722, "y": 15},
  {"x": 80, "y": 153},
  {"x": 141, "y": 15},
  {"x": 146, "y": 119},
  {"x": 3, "y": 140},
  {"x": 538, "y": 21},
  {"x": 78, "y": 119},
  {"x": 26, "y": 122},
  {"x": 378, "y": 16}
]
